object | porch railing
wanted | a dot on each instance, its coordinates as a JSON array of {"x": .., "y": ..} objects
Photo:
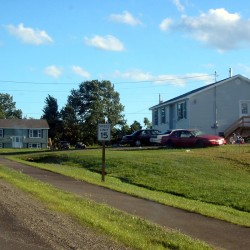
[{"x": 242, "y": 123}]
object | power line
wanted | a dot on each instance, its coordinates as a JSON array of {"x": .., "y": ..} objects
[
  {"x": 152, "y": 80},
  {"x": 167, "y": 79},
  {"x": 45, "y": 83}
]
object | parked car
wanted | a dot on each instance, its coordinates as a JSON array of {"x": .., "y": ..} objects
[
  {"x": 140, "y": 137},
  {"x": 157, "y": 138},
  {"x": 191, "y": 138},
  {"x": 63, "y": 145},
  {"x": 80, "y": 145}
]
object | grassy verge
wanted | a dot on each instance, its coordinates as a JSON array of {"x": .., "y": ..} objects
[
  {"x": 214, "y": 182},
  {"x": 129, "y": 230}
]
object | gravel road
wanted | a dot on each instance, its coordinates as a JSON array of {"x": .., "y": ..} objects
[{"x": 27, "y": 224}]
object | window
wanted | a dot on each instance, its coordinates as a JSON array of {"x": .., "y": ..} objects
[
  {"x": 1, "y": 132},
  {"x": 156, "y": 117},
  {"x": 34, "y": 145},
  {"x": 181, "y": 110},
  {"x": 1, "y": 145},
  {"x": 163, "y": 115},
  {"x": 35, "y": 133},
  {"x": 244, "y": 108}
]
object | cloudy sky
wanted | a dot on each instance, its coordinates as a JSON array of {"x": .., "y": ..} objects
[{"x": 147, "y": 49}]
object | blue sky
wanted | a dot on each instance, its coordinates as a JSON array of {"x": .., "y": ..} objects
[{"x": 146, "y": 48}]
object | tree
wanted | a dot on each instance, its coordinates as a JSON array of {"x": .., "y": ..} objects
[
  {"x": 94, "y": 102},
  {"x": 52, "y": 115},
  {"x": 71, "y": 127},
  {"x": 135, "y": 126},
  {"x": 147, "y": 123},
  {"x": 8, "y": 107}
]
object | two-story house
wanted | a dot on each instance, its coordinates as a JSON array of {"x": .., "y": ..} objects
[
  {"x": 220, "y": 108},
  {"x": 23, "y": 133}
]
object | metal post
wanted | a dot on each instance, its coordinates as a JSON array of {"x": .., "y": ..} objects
[{"x": 103, "y": 160}]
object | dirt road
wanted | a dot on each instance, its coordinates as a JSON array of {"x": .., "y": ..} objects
[
  {"x": 26, "y": 224},
  {"x": 218, "y": 233}
]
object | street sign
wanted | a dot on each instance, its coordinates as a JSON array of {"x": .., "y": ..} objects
[{"x": 104, "y": 132}]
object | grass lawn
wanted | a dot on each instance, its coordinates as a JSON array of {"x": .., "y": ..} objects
[
  {"x": 211, "y": 181},
  {"x": 132, "y": 231}
]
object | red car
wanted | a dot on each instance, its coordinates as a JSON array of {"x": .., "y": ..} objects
[{"x": 191, "y": 138}]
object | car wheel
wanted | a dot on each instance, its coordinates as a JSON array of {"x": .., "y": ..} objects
[
  {"x": 200, "y": 144},
  {"x": 137, "y": 143},
  {"x": 169, "y": 144}
]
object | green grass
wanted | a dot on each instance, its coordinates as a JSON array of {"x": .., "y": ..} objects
[
  {"x": 130, "y": 230},
  {"x": 213, "y": 181}
]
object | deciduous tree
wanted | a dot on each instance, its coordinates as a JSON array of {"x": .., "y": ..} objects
[
  {"x": 92, "y": 103},
  {"x": 8, "y": 107}
]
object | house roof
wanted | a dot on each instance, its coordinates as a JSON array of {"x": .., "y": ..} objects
[
  {"x": 24, "y": 123},
  {"x": 198, "y": 90}
]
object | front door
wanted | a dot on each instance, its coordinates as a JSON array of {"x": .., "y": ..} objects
[{"x": 17, "y": 142}]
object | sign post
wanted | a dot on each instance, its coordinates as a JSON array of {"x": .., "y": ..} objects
[{"x": 103, "y": 135}]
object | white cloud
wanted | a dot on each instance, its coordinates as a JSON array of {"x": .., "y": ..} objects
[
  {"x": 53, "y": 71},
  {"x": 134, "y": 75},
  {"x": 218, "y": 28},
  {"x": 105, "y": 43},
  {"x": 178, "y": 5},
  {"x": 125, "y": 18},
  {"x": 29, "y": 35},
  {"x": 80, "y": 71},
  {"x": 176, "y": 80},
  {"x": 245, "y": 68},
  {"x": 166, "y": 24}
]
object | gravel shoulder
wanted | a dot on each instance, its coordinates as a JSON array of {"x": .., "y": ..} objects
[{"x": 26, "y": 224}]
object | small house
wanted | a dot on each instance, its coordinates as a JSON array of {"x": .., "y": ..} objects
[{"x": 23, "y": 133}]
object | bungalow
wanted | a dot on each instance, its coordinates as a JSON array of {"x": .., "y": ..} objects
[
  {"x": 23, "y": 133},
  {"x": 220, "y": 108}
]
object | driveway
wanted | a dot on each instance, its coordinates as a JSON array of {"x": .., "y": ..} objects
[{"x": 215, "y": 232}]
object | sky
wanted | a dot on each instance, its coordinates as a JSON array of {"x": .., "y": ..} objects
[{"x": 150, "y": 50}]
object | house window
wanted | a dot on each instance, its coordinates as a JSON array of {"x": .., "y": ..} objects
[
  {"x": 35, "y": 133},
  {"x": 34, "y": 145},
  {"x": 156, "y": 117},
  {"x": 244, "y": 108},
  {"x": 1, "y": 145},
  {"x": 182, "y": 110},
  {"x": 1, "y": 132},
  {"x": 163, "y": 115}
]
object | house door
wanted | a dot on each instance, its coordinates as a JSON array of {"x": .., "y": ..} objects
[
  {"x": 244, "y": 108},
  {"x": 17, "y": 142}
]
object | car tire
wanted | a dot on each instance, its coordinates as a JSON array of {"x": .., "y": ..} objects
[{"x": 137, "y": 143}]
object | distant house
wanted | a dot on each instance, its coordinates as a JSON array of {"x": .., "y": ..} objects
[
  {"x": 220, "y": 108},
  {"x": 23, "y": 133}
]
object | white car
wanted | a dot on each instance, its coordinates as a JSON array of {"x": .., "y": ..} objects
[{"x": 157, "y": 138}]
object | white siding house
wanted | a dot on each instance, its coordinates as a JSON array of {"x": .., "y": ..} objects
[{"x": 218, "y": 108}]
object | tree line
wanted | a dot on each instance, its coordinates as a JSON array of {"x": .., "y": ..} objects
[{"x": 91, "y": 103}]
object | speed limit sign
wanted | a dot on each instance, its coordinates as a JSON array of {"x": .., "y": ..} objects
[{"x": 104, "y": 132}]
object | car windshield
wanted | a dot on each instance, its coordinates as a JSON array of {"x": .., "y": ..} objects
[
  {"x": 155, "y": 132},
  {"x": 166, "y": 132},
  {"x": 197, "y": 132}
]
